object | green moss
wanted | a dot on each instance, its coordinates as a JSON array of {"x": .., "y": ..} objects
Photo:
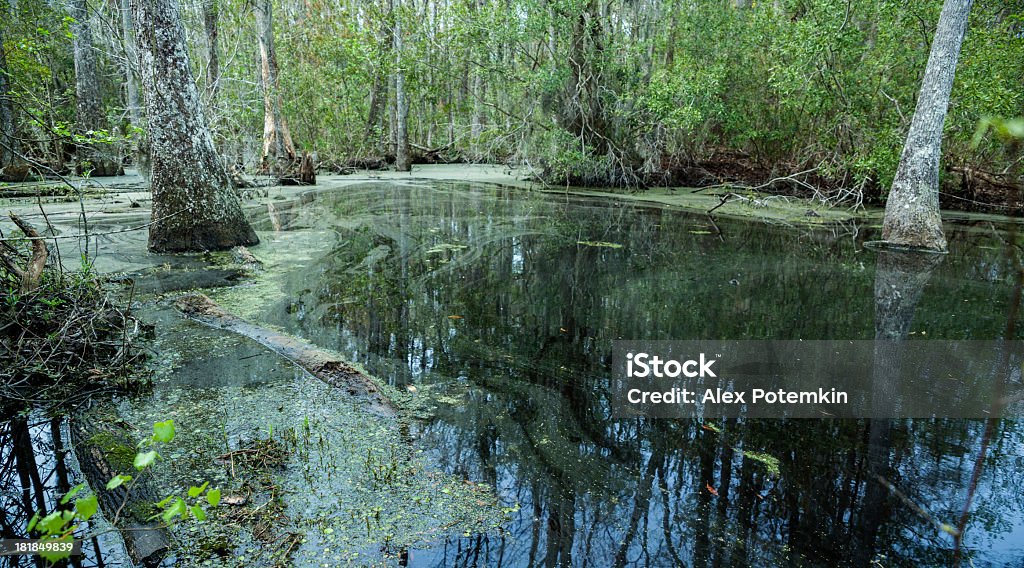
[{"x": 119, "y": 453}]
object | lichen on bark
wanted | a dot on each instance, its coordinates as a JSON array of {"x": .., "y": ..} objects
[
  {"x": 194, "y": 205},
  {"x": 912, "y": 218}
]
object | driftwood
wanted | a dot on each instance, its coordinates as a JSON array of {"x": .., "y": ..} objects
[
  {"x": 34, "y": 271},
  {"x": 324, "y": 366},
  {"x": 104, "y": 448}
]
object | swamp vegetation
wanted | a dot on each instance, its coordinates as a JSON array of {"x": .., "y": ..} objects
[{"x": 229, "y": 337}]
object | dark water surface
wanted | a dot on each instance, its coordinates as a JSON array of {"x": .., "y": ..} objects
[{"x": 500, "y": 306}]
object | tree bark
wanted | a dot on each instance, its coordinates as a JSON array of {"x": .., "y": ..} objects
[
  {"x": 912, "y": 216},
  {"x": 95, "y": 159},
  {"x": 278, "y": 150},
  {"x": 33, "y": 272},
  {"x": 402, "y": 163},
  {"x": 210, "y": 17},
  {"x": 379, "y": 90},
  {"x": 194, "y": 207},
  {"x": 8, "y": 138},
  {"x": 132, "y": 99}
]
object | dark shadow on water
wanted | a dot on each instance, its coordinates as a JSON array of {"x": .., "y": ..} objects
[{"x": 34, "y": 474}]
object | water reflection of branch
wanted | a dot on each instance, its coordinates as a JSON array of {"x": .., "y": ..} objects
[{"x": 998, "y": 400}]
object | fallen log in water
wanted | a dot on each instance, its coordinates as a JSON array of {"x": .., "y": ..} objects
[
  {"x": 104, "y": 448},
  {"x": 324, "y": 366}
]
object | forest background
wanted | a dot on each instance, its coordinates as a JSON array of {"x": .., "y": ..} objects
[{"x": 795, "y": 96}]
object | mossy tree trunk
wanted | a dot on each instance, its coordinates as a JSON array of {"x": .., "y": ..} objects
[
  {"x": 95, "y": 159},
  {"x": 912, "y": 216},
  {"x": 194, "y": 206},
  {"x": 278, "y": 150}
]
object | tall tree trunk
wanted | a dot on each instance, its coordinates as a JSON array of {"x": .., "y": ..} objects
[
  {"x": 401, "y": 105},
  {"x": 194, "y": 205},
  {"x": 96, "y": 159},
  {"x": 912, "y": 216},
  {"x": 476, "y": 127},
  {"x": 378, "y": 94},
  {"x": 211, "y": 15},
  {"x": 140, "y": 149},
  {"x": 8, "y": 138},
  {"x": 379, "y": 90},
  {"x": 278, "y": 150}
]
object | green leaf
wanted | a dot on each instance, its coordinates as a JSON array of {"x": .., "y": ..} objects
[
  {"x": 144, "y": 459},
  {"x": 71, "y": 493},
  {"x": 55, "y": 522},
  {"x": 117, "y": 481},
  {"x": 198, "y": 512},
  {"x": 165, "y": 501},
  {"x": 54, "y": 556},
  {"x": 163, "y": 431},
  {"x": 213, "y": 497},
  {"x": 32, "y": 522},
  {"x": 194, "y": 491},
  {"x": 176, "y": 509},
  {"x": 86, "y": 507}
]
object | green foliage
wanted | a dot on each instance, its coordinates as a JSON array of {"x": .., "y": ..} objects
[{"x": 592, "y": 92}]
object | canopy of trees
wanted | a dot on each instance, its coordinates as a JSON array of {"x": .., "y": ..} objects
[{"x": 609, "y": 92}]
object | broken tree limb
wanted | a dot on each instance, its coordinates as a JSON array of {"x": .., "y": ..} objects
[
  {"x": 34, "y": 271},
  {"x": 11, "y": 259},
  {"x": 324, "y": 366},
  {"x": 307, "y": 170}
]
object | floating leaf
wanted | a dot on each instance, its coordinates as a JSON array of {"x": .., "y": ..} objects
[
  {"x": 438, "y": 249},
  {"x": 949, "y": 529},
  {"x": 711, "y": 490},
  {"x": 770, "y": 463}
]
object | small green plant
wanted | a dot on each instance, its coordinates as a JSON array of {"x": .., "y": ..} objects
[{"x": 61, "y": 525}]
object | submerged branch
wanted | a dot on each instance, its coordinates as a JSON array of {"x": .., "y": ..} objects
[{"x": 321, "y": 364}]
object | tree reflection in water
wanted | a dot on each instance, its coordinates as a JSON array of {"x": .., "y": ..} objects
[
  {"x": 34, "y": 475},
  {"x": 502, "y": 306}
]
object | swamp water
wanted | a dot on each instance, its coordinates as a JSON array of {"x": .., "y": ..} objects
[{"x": 498, "y": 307}]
